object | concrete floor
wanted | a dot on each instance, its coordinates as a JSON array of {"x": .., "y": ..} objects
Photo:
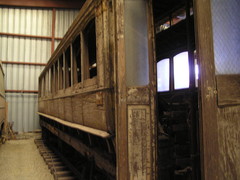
[{"x": 20, "y": 160}]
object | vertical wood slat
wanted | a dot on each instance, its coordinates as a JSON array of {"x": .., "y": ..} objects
[
  {"x": 121, "y": 122},
  {"x": 208, "y": 120},
  {"x": 153, "y": 90},
  {"x": 71, "y": 59},
  {"x": 101, "y": 49}
]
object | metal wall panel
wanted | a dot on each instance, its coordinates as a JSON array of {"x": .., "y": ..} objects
[
  {"x": 64, "y": 19},
  {"x": 24, "y": 49},
  {"x": 22, "y": 106},
  {"x": 26, "y": 21}
]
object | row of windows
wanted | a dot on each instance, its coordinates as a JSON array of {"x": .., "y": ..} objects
[
  {"x": 76, "y": 64},
  {"x": 173, "y": 19},
  {"x": 181, "y": 77}
]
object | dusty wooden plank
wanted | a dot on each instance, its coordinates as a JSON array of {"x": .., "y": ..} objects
[
  {"x": 89, "y": 82},
  {"x": 93, "y": 131},
  {"x": 229, "y": 138},
  {"x": 93, "y": 115},
  {"x": 228, "y": 88},
  {"x": 55, "y": 107},
  {"x": 100, "y": 161},
  {"x": 121, "y": 122},
  {"x": 61, "y": 108},
  {"x": 58, "y": 168},
  {"x": 51, "y": 107},
  {"x": 77, "y": 105},
  {"x": 40, "y": 106},
  {"x": 52, "y": 159},
  {"x": 152, "y": 171},
  {"x": 67, "y": 178},
  {"x": 99, "y": 44},
  {"x": 138, "y": 141},
  {"x": 62, "y": 173},
  {"x": 138, "y": 95},
  {"x": 208, "y": 124},
  {"x": 68, "y": 109}
]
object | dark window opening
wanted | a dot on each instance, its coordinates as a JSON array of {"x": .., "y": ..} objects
[
  {"x": 47, "y": 83},
  {"x": 52, "y": 82},
  {"x": 68, "y": 68},
  {"x": 61, "y": 72},
  {"x": 43, "y": 87},
  {"x": 76, "y": 60},
  {"x": 89, "y": 34},
  {"x": 56, "y": 76}
]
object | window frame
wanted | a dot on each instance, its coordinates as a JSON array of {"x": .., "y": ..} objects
[{"x": 171, "y": 73}]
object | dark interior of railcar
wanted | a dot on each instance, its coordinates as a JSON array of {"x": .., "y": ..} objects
[
  {"x": 177, "y": 90},
  {"x": 90, "y": 42}
]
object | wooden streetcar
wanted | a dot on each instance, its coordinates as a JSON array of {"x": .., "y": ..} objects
[{"x": 113, "y": 94}]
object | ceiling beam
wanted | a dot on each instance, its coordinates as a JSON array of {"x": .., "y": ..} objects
[{"x": 69, "y": 4}]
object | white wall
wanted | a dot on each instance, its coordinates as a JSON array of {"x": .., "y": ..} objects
[{"x": 28, "y": 21}]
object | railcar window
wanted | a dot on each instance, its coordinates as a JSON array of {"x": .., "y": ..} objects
[
  {"x": 52, "y": 79},
  {"x": 163, "y": 77},
  {"x": 42, "y": 86},
  {"x": 196, "y": 68},
  {"x": 181, "y": 71},
  {"x": 61, "y": 72},
  {"x": 49, "y": 81},
  {"x": 76, "y": 60},
  {"x": 46, "y": 83},
  {"x": 89, "y": 35},
  {"x": 68, "y": 68},
  {"x": 56, "y": 76}
]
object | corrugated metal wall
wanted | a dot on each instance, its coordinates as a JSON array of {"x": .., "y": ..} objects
[{"x": 27, "y": 21}]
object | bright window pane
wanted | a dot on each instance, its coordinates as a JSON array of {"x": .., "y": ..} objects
[
  {"x": 181, "y": 71},
  {"x": 196, "y": 73},
  {"x": 163, "y": 75}
]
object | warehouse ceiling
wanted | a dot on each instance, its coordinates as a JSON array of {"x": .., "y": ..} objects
[{"x": 70, "y": 4}]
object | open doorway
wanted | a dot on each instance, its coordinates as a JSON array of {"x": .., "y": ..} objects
[{"x": 177, "y": 91}]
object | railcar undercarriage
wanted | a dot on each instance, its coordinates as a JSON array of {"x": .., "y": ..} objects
[{"x": 92, "y": 156}]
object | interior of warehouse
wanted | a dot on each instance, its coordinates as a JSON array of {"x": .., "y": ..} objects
[{"x": 119, "y": 89}]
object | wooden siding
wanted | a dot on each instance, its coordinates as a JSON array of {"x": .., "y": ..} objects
[
  {"x": 84, "y": 109},
  {"x": 228, "y": 88},
  {"x": 229, "y": 142}
]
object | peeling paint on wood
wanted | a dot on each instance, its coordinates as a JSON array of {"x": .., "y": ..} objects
[
  {"x": 138, "y": 96},
  {"x": 138, "y": 141}
]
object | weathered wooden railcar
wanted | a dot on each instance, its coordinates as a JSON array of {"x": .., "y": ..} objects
[
  {"x": 123, "y": 89},
  {"x": 3, "y": 114}
]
